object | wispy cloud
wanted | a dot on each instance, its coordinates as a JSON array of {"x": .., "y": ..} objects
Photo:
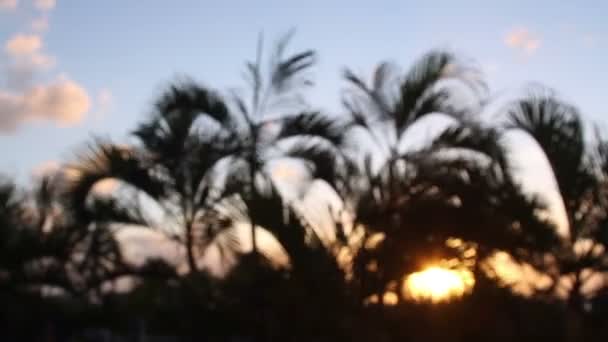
[
  {"x": 40, "y": 24},
  {"x": 8, "y": 4},
  {"x": 23, "y": 44},
  {"x": 523, "y": 40},
  {"x": 45, "y": 5}
]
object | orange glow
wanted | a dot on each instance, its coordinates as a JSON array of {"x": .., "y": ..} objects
[{"x": 437, "y": 284}]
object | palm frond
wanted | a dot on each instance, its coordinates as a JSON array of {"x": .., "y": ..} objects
[
  {"x": 103, "y": 161},
  {"x": 175, "y": 112},
  {"x": 323, "y": 162},
  {"x": 557, "y": 128},
  {"x": 378, "y": 98},
  {"x": 473, "y": 137},
  {"x": 279, "y": 83},
  {"x": 286, "y": 71},
  {"x": 420, "y": 93},
  {"x": 313, "y": 124}
]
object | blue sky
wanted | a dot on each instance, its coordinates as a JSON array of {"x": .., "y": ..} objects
[{"x": 95, "y": 66}]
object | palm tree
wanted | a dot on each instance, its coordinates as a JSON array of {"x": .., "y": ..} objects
[
  {"x": 254, "y": 135},
  {"x": 386, "y": 109},
  {"x": 278, "y": 88},
  {"x": 580, "y": 170},
  {"x": 171, "y": 172},
  {"x": 198, "y": 149},
  {"x": 457, "y": 186}
]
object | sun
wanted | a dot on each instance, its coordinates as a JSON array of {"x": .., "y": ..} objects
[{"x": 437, "y": 284}]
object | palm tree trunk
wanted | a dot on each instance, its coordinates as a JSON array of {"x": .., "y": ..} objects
[
  {"x": 252, "y": 195},
  {"x": 574, "y": 311},
  {"x": 252, "y": 190},
  {"x": 191, "y": 259}
]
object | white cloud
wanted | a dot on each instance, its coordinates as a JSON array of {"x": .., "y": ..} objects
[
  {"x": 62, "y": 101},
  {"x": 522, "y": 39},
  {"x": 23, "y": 45},
  {"x": 45, "y": 5},
  {"x": 40, "y": 24},
  {"x": 8, "y": 4}
]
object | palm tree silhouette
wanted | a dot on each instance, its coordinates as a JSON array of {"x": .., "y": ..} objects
[
  {"x": 457, "y": 186},
  {"x": 44, "y": 246},
  {"x": 278, "y": 88},
  {"x": 198, "y": 149},
  {"x": 580, "y": 169},
  {"x": 172, "y": 171},
  {"x": 391, "y": 104}
]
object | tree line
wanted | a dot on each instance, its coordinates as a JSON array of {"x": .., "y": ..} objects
[{"x": 201, "y": 171}]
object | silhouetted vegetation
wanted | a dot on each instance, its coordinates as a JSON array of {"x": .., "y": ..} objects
[{"x": 290, "y": 224}]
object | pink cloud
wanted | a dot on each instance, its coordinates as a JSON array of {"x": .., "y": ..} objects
[
  {"x": 63, "y": 102},
  {"x": 25, "y": 60},
  {"x": 45, "y": 5},
  {"x": 8, "y": 4},
  {"x": 23, "y": 45},
  {"x": 522, "y": 39}
]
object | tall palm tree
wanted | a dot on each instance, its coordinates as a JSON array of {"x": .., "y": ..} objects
[
  {"x": 254, "y": 133},
  {"x": 580, "y": 170},
  {"x": 385, "y": 110},
  {"x": 277, "y": 88}
]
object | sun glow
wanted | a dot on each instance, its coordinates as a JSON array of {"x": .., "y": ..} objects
[{"x": 437, "y": 284}]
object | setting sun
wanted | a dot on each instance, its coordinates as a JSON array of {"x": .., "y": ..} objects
[{"x": 438, "y": 284}]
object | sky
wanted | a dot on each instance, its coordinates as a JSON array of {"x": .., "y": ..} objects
[{"x": 73, "y": 69}]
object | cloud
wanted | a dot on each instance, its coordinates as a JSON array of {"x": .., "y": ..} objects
[
  {"x": 8, "y": 4},
  {"x": 62, "y": 101},
  {"x": 21, "y": 73},
  {"x": 40, "y": 24},
  {"x": 23, "y": 45},
  {"x": 45, "y": 5},
  {"x": 523, "y": 40},
  {"x": 25, "y": 60},
  {"x": 23, "y": 98}
]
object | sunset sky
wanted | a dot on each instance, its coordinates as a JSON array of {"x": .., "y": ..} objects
[{"x": 70, "y": 69}]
